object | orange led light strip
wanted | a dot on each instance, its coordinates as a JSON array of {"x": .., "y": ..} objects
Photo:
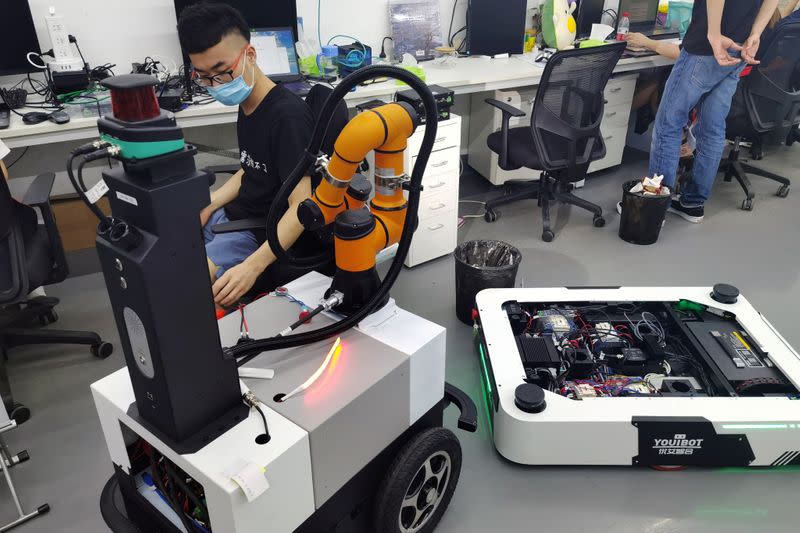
[{"x": 337, "y": 346}]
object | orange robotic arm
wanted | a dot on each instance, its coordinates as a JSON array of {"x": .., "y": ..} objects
[{"x": 360, "y": 233}]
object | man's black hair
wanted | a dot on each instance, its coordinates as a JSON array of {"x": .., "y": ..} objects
[{"x": 202, "y": 26}]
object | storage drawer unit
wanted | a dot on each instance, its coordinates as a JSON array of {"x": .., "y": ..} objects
[{"x": 437, "y": 232}]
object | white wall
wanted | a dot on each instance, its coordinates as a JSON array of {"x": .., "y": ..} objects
[
  {"x": 124, "y": 31},
  {"x": 114, "y": 31}
]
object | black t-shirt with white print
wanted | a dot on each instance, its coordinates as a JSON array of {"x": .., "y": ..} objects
[{"x": 272, "y": 140}]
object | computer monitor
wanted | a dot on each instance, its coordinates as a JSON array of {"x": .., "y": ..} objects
[
  {"x": 641, "y": 12},
  {"x": 276, "y": 53},
  {"x": 17, "y": 38},
  {"x": 493, "y": 30},
  {"x": 589, "y": 12}
]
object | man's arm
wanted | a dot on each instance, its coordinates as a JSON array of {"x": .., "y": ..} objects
[
  {"x": 788, "y": 8},
  {"x": 222, "y": 196},
  {"x": 3, "y": 170},
  {"x": 720, "y": 44},
  {"x": 753, "y": 42},
  {"x": 662, "y": 48},
  {"x": 236, "y": 281}
]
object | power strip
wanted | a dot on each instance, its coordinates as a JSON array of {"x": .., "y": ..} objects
[
  {"x": 64, "y": 58},
  {"x": 59, "y": 37}
]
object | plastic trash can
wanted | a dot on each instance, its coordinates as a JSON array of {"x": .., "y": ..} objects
[
  {"x": 482, "y": 265},
  {"x": 642, "y": 216}
]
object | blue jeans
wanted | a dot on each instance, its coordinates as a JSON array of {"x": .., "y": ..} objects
[
  {"x": 227, "y": 250},
  {"x": 694, "y": 80}
]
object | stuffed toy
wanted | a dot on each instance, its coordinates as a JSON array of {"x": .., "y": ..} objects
[{"x": 558, "y": 24}]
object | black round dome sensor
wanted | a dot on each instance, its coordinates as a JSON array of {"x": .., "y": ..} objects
[
  {"x": 725, "y": 294},
  {"x": 530, "y": 398}
]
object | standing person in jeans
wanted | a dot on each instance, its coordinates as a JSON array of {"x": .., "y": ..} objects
[{"x": 706, "y": 73}]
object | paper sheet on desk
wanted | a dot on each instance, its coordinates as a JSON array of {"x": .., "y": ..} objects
[{"x": 600, "y": 32}]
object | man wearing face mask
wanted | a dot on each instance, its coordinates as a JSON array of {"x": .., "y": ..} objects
[{"x": 274, "y": 127}]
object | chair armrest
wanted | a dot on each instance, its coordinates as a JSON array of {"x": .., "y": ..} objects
[
  {"x": 224, "y": 169},
  {"x": 39, "y": 191},
  {"x": 38, "y": 195},
  {"x": 247, "y": 224},
  {"x": 508, "y": 112},
  {"x": 505, "y": 108}
]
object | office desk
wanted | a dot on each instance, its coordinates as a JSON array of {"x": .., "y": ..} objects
[{"x": 469, "y": 75}]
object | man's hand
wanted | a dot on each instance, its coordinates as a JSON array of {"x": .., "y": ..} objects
[
  {"x": 235, "y": 283},
  {"x": 750, "y": 49},
  {"x": 720, "y": 45},
  {"x": 637, "y": 40},
  {"x": 205, "y": 214}
]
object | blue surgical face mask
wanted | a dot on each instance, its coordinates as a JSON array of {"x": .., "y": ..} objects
[{"x": 232, "y": 93}]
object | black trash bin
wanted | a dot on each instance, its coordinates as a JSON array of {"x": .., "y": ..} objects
[
  {"x": 642, "y": 216},
  {"x": 482, "y": 265}
]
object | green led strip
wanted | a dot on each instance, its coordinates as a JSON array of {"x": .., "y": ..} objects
[
  {"x": 486, "y": 387},
  {"x": 760, "y": 426}
]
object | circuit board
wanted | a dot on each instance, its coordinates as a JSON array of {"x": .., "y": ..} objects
[{"x": 603, "y": 350}]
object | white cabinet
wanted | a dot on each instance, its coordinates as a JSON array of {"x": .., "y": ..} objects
[
  {"x": 437, "y": 232},
  {"x": 485, "y": 120}
]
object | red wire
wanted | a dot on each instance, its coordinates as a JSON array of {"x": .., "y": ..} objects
[{"x": 244, "y": 320}]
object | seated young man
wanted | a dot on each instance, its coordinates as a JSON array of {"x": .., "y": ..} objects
[{"x": 274, "y": 128}]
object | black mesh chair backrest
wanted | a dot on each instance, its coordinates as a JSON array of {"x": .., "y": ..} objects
[
  {"x": 771, "y": 92},
  {"x": 12, "y": 258},
  {"x": 316, "y": 99},
  {"x": 569, "y": 105}
]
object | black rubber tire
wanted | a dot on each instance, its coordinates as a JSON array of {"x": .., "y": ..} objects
[
  {"x": 112, "y": 509},
  {"x": 747, "y": 205},
  {"x": 490, "y": 216},
  {"x": 548, "y": 236},
  {"x": 19, "y": 413},
  {"x": 783, "y": 192},
  {"x": 102, "y": 350},
  {"x": 405, "y": 469},
  {"x": 599, "y": 222}
]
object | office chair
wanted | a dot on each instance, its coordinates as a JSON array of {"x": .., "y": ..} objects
[
  {"x": 32, "y": 255},
  {"x": 564, "y": 134},
  {"x": 282, "y": 274},
  {"x": 766, "y": 109}
]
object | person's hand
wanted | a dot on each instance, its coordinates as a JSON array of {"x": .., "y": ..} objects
[
  {"x": 750, "y": 49},
  {"x": 720, "y": 45},
  {"x": 205, "y": 214},
  {"x": 235, "y": 283},
  {"x": 637, "y": 40}
]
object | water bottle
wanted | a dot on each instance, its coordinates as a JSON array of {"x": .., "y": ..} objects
[
  {"x": 624, "y": 26},
  {"x": 327, "y": 61}
]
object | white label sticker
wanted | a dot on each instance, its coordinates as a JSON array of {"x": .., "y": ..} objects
[
  {"x": 129, "y": 199},
  {"x": 250, "y": 477},
  {"x": 98, "y": 191}
]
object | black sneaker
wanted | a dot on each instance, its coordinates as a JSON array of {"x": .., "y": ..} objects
[{"x": 694, "y": 215}]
